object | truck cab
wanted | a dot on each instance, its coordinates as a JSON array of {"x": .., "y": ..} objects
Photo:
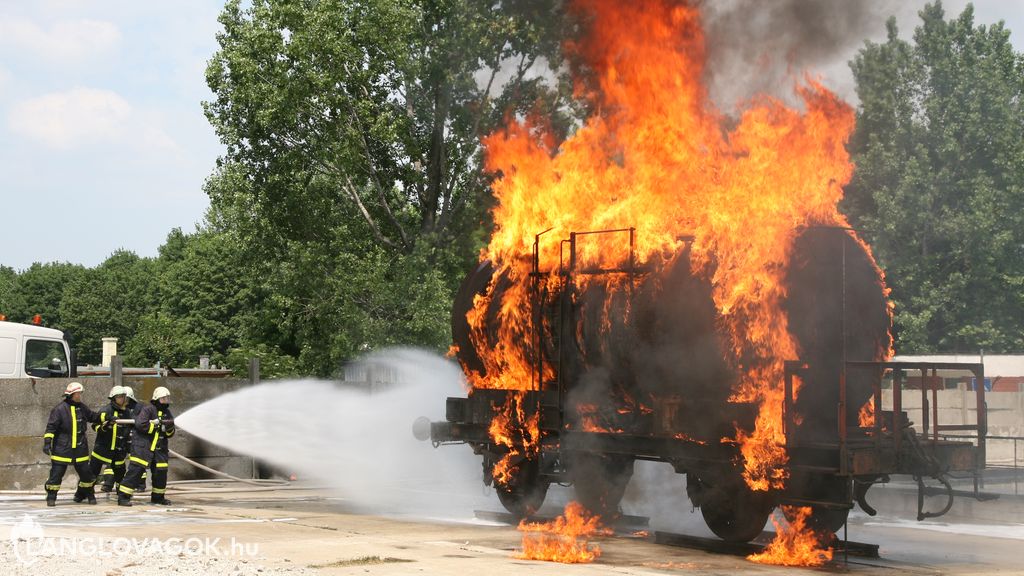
[{"x": 29, "y": 351}]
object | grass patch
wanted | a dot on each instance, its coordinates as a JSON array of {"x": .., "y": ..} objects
[{"x": 363, "y": 561}]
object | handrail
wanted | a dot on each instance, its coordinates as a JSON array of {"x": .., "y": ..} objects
[
  {"x": 931, "y": 428},
  {"x": 927, "y": 425}
]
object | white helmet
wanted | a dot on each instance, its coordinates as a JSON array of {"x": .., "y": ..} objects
[
  {"x": 128, "y": 392},
  {"x": 116, "y": 391},
  {"x": 72, "y": 388},
  {"x": 161, "y": 392}
]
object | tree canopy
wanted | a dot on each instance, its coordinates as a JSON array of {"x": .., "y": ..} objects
[
  {"x": 353, "y": 158},
  {"x": 939, "y": 183},
  {"x": 367, "y": 116}
]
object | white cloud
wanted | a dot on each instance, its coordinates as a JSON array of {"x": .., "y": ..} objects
[
  {"x": 67, "y": 41},
  {"x": 65, "y": 120}
]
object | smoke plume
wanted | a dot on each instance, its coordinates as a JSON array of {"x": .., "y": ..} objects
[{"x": 758, "y": 47}]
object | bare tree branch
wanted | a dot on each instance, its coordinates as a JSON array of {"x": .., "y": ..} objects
[
  {"x": 354, "y": 195},
  {"x": 374, "y": 176}
]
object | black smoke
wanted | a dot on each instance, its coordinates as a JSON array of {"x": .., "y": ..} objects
[{"x": 762, "y": 46}]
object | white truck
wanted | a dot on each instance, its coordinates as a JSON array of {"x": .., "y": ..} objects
[{"x": 29, "y": 351}]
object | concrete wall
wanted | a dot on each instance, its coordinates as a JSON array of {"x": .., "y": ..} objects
[
  {"x": 25, "y": 406},
  {"x": 1005, "y": 417}
]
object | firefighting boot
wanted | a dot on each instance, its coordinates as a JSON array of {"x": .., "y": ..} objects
[
  {"x": 123, "y": 499},
  {"x": 159, "y": 500},
  {"x": 90, "y": 496},
  {"x": 108, "y": 480},
  {"x": 51, "y": 497},
  {"x": 79, "y": 496}
]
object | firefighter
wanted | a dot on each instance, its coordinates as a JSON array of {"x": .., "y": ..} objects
[
  {"x": 154, "y": 424},
  {"x": 133, "y": 409},
  {"x": 66, "y": 444},
  {"x": 111, "y": 449}
]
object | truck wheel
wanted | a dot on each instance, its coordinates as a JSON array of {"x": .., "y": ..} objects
[
  {"x": 524, "y": 494},
  {"x": 600, "y": 481}
]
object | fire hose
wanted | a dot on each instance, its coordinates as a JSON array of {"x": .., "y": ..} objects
[
  {"x": 257, "y": 484},
  {"x": 254, "y": 482}
]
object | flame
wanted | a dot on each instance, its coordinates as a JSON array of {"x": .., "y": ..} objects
[
  {"x": 588, "y": 418},
  {"x": 656, "y": 156},
  {"x": 794, "y": 544},
  {"x": 866, "y": 415},
  {"x": 564, "y": 539},
  {"x": 688, "y": 438},
  {"x": 517, "y": 432}
]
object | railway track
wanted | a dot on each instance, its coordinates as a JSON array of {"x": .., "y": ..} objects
[{"x": 636, "y": 526}]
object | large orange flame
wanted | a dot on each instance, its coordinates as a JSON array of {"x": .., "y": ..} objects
[
  {"x": 658, "y": 156},
  {"x": 565, "y": 539},
  {"x": 794, "y": 544},
  {"x": 517, "y": 432}
]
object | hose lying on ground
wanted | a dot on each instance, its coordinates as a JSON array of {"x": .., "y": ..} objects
[{"x": 256, "y": 484}]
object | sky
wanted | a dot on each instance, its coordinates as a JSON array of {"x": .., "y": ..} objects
[{"x": 103, "y": 141}]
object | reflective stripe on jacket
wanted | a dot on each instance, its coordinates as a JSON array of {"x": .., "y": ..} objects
[
  {"x": 114, "y": 440},
  {"x": 66, "y": 428}
]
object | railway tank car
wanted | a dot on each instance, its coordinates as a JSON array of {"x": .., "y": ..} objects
[{"x": 631, "y": 363}]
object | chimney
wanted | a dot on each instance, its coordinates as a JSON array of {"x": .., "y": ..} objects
[
  {"x": 204, "y": 362},
  {"x": 109, "y": 350}
]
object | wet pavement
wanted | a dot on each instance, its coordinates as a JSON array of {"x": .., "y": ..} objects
[{"x": 317, "y": 532}]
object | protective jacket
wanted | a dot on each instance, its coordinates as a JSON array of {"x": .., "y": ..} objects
[
  {"x": 65, "y": 439},
  {"x": 111, "y": 438},
  {"x": 149, "y": 439}
]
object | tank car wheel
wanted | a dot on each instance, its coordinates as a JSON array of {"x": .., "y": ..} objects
[
  {"x": 599, "y": 481},
  {"x": 823, "y": 521},
  {"x": 734, "y": 512},
  {"x": 525, "y": 492}
]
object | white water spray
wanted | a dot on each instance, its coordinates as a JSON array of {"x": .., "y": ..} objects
[{"x": 356, "y": 440}]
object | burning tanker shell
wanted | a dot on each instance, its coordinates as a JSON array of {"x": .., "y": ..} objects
[{"x": 659, "y": 267}]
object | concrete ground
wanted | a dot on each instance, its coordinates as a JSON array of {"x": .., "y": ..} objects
[{"x": 311, "y": 532}]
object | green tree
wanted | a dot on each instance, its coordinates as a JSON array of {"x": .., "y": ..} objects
[
  {"x": 939, "y": 185},
  {"x": 208, "y": 287},
  {"x": 39, "y": 289},
  {"x": 109, "y": 300},
  {"x": 352, "y": 176},
  {"x": 341, "y": 111},
  {"x": 160, "y": 338},
  {"x": 10, "y": 300}
]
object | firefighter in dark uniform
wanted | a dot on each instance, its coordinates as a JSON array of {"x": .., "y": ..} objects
[
  {"x": 133, "y": 408},
  {"x": 66, "y": 445},
  {"x": 154, "y": 424},
  {"x": 111, "y": 449}
]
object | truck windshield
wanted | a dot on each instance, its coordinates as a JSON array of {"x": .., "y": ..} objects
[{"x": 45, "y": 359}]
